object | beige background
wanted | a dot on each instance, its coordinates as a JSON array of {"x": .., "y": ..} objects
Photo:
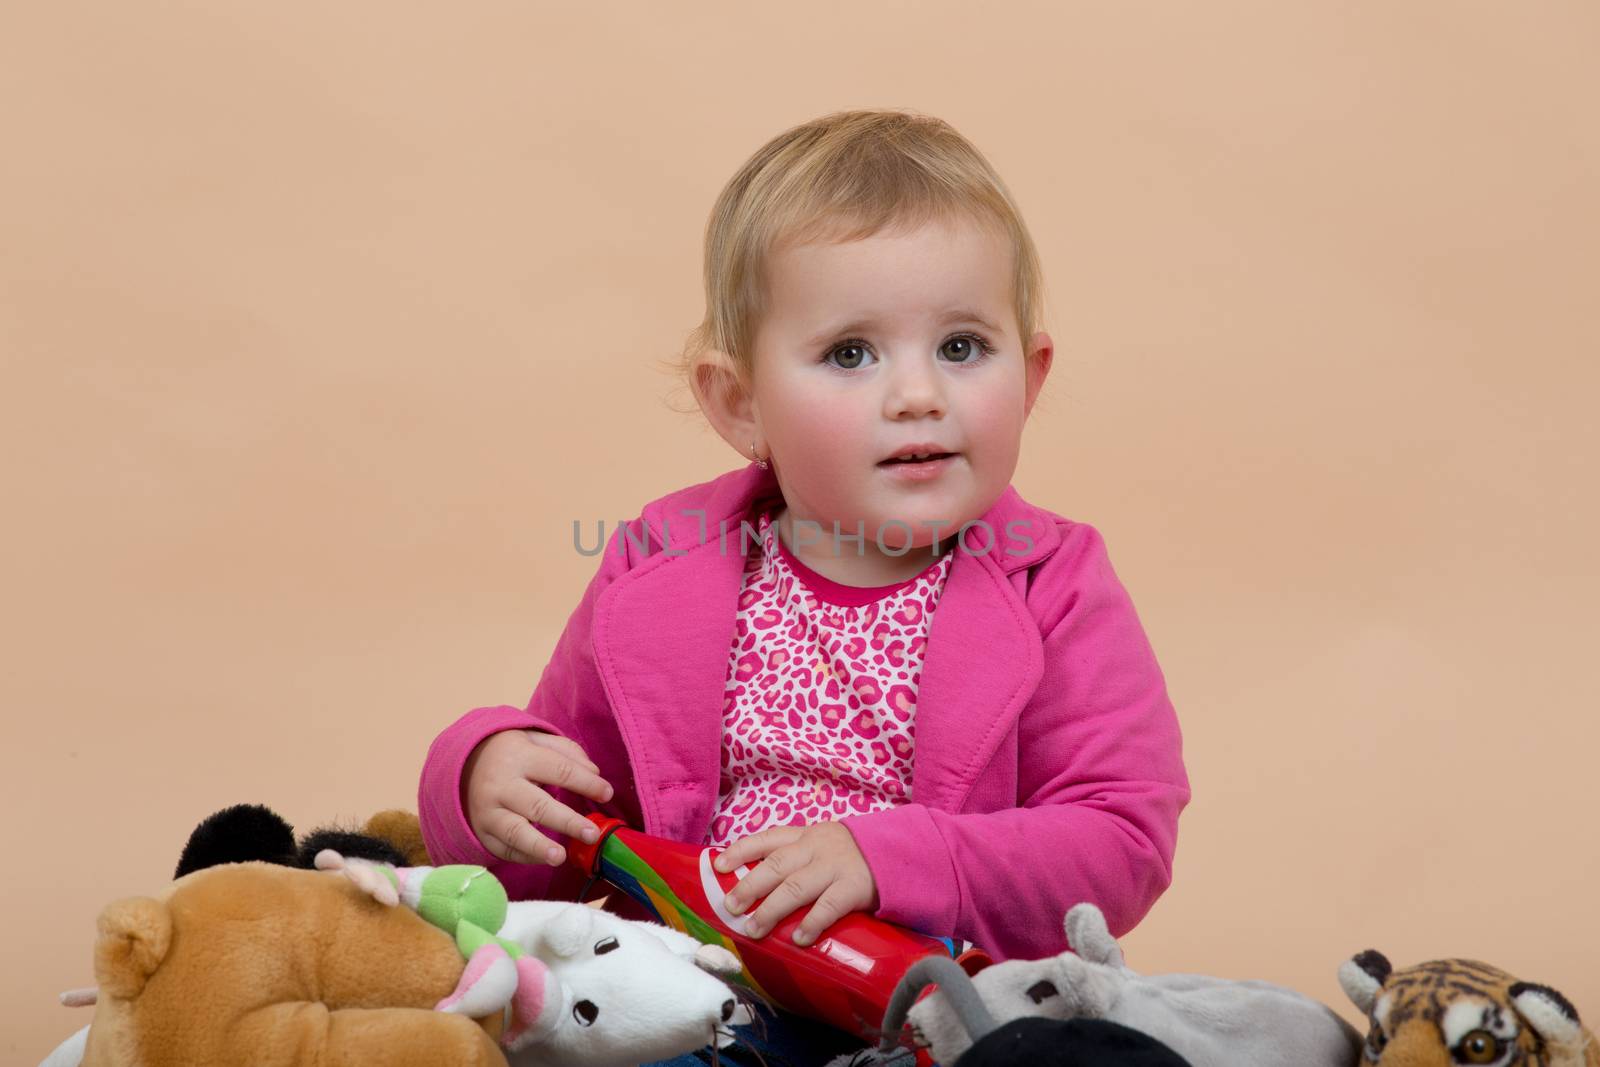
[{"x": 322, "y": 323}]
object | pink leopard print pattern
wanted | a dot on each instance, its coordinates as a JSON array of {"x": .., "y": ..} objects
[{"x": 820, "y": 704}]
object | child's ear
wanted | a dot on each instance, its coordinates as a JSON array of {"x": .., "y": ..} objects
[
  {"x": 1039, "y": 356},
  {"x": 725, "y": 396}
]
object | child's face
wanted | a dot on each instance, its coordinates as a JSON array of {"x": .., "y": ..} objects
[{"x": 869, "y": 346}]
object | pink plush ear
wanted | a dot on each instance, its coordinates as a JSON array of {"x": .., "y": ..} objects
[
  {"x": 537, "y": 1005},
  {"x": 488, "y": 984},
  {"x": 364, "y": 873}
]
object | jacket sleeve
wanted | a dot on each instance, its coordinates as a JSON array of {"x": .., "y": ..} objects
[
  {"x": 1100, "y": 785},
  {"x": 569, "y": 700}
]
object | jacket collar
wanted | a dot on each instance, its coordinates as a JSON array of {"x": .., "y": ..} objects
[
  {"x": 677, "y": 521},
  {"x": 664, "y": 629}
]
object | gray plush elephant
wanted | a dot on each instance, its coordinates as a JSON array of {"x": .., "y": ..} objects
[{"x": 1211, "y": 1022}]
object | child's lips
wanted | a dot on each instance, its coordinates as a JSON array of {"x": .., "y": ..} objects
[
  {"x": 919, "y": 470},
  {"x": 933, "y": 457}
]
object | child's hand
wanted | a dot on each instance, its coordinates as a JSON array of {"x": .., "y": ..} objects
[
  {"x": 504, "y": 779},
  {"x": 801, "y": 864}
]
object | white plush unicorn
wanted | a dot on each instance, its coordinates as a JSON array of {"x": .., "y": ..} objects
[{"x": 585, "y": 988}]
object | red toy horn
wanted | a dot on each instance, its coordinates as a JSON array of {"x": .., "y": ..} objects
[{"x": 845, "y": 978}]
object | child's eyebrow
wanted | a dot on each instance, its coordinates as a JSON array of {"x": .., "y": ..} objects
[{"x": 861, "y": 325}]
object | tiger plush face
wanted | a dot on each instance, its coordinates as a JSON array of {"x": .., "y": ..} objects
[{"x": 1451, "y": 1012}]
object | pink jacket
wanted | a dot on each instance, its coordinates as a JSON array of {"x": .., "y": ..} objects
[{"x": 1048, "y": 766}]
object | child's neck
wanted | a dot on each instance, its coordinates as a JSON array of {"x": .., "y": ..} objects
[{"x": 870, "y": 569}]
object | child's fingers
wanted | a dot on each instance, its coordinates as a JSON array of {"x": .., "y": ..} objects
[
  {"x": 836, "y": 901},
  {"x": 796, "y": 891},
  {"x": 547, "y": 766},
  {"x": 756, "y": 846},
  {"x": 564, "y": 745},
  {"x": 511, "y": 837},
  {"x": 765, "y": 877},
  {"x": 537, "y": 806}
]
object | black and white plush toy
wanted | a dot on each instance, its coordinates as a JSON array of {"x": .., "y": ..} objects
[
  {"x": 1210, "y": 1022},
  {"x": 1030, "y": 1040}
]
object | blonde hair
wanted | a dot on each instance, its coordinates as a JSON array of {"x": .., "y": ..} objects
[{"x": 844, "y": 176}]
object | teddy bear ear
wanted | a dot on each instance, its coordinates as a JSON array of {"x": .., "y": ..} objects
[
  {"x": 134, "y": 935},
  {"x": 238, "y": 834},
  {"x": 1090, "y": 937},
  {"x": 1551, "y": 1015},
  {"x": 1362, "y": 976},
  {"x": 403, "y": 830}
]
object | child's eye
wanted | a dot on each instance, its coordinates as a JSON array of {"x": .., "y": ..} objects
[
  {"x": 852, "y": 354},
  {"x": 966, "y": 348}
]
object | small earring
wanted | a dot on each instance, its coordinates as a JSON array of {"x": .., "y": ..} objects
[{"x": 759, "y": 461}]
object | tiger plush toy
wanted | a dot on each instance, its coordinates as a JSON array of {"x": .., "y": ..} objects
[{"x": 1451, "y": 1012}]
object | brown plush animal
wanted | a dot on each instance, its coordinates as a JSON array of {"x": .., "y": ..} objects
[
  {"x": 276, "y": 967},
  {"x": 403, "y": 830}
]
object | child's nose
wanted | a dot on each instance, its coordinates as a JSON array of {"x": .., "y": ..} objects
[{"x": 915, "y": 388}]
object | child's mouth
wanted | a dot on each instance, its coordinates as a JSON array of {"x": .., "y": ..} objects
[{"x": 914, "y": 460}]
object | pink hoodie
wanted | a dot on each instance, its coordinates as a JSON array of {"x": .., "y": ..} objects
[{"x": 1048, "y": 766}]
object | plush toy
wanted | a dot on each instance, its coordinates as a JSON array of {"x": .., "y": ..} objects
[
  {"x": 255, "y": 832},
  {"x": 1031, "y": 1039},
  {"x": 1211, "y": 1022},
  {"x": 612, "y": 992},
  {"x": 1068, "y": 1043},
  {"x": 1449, "y": 1012},
  {"x": 586, "y": 988},
  {"x": 402, "y": 831},
  {"x": 276, "y": 967},
  {"x": 845, "y": 978}
]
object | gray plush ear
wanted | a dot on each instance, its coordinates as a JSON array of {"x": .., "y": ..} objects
[
  {"x": 1089, "y": 936},
  {"x": 1088, "y": 990},
  {"x": 1362, "y": 976},
  {"x": 958, "y": 991},
  {"x": 1551, "y": 1015}
]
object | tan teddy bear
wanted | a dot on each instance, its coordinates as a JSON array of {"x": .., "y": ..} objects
[{"x": 277, "y": 967}]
